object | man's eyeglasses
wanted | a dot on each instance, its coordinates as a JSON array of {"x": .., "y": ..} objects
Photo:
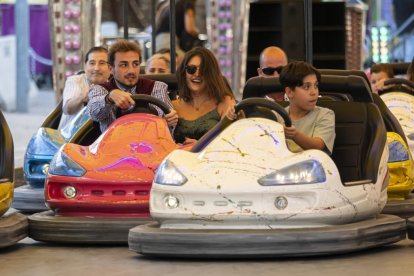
[
  {"x": 307, "y": 86},
  {"x": 191, "y": 69},
  {"x": 271, "y": 70}
]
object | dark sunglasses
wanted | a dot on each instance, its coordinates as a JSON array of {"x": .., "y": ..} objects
[
  {"x": 191, "y": 69},
  {"x": 271, "y": 70}
]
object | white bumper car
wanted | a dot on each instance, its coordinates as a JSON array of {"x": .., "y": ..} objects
[
  {"x": 400, "y": 100},
  {"x": 400, "y": 163},
  {"x": 242, "y": 193}
]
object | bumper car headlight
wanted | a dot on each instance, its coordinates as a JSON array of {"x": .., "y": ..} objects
[
  {"x": 168, "y": 174},
  {"x": 45, "y": 168},
  {"x": 38, "y": 167},
  {"x": 397, "y": 152},
  {"x": 171, "y": 202},
  {"x": 69, "y": 192},
  {"x": 306, "y": 172},
  {"x": 62, "y": 165}
]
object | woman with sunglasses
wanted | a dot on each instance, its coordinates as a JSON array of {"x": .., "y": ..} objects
[{"x": 204, "y": 95}]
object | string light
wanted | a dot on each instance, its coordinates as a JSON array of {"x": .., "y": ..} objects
[{"x": 380, "y": 37}]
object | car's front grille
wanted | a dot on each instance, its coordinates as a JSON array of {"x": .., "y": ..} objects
[
  {"x": 118, "y": 193},
  {"x": 223, "y": 203},
  {"x": 97, "y": 192}
]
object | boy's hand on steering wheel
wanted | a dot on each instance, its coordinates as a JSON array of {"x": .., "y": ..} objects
[{"x": 290, "y": 132}]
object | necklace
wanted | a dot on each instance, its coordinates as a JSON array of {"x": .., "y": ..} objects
[{"x": 197, "y": 107}]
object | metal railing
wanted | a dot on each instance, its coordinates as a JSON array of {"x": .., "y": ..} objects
[{"x": 402, "y": 37}]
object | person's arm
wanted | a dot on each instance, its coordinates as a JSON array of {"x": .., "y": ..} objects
[
  {"x": 323, "y": 134},
  {"x": 120, "y": 98},
  {"x": 190, "y": 22},
  {"x": 325, "y": 128},
  {"x": 160, "y": 92},
  {"x": 101, "y": 109},
  {"x": 176, "y": 104},
  {"x": 75, "y": 95},
  {"x": 304, "y": 141},
  {"x": 74, "y": 104},
  {"x": 226, "y": 108}
]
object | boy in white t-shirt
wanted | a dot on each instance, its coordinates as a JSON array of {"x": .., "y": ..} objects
[{"x": 313, "y": 127}]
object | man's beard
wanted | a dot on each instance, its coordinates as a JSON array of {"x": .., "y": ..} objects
[{"x": 130, "y": 85}]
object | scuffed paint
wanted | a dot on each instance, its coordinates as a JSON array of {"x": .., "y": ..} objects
[
  {"x": 218, "y": 173},
  {"x": 347, "y": 201},
  {"x": 237, "y": 148},
  {"x": 267, "y": 133}
]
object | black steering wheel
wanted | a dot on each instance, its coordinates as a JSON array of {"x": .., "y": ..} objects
[
  {"x": 248, "y": 103},
  {"x": 403, "y": 85},
  {"x": 142, "y": 102},
  {"x": 244, "y": 105}
]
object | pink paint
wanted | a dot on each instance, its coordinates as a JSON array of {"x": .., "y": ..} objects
[
  {"x": 140, "y": 148},
  {"x": 131, "y": 161}
]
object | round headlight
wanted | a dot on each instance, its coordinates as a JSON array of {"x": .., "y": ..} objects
[
  {"x": 171, "y": 202},
  {"x": 281, "y": 202},
  {"x": 69, "y": 192},
  {"x": 45, "y": 168}
]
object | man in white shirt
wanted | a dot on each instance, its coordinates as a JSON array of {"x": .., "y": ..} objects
[{"x": 75, "y": 93}]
